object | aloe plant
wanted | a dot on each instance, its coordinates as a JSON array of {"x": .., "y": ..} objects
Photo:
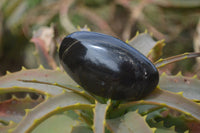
[{"x": 63, "y": 106}]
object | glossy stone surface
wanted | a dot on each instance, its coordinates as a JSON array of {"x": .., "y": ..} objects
[{"x": 107, "y": 67}]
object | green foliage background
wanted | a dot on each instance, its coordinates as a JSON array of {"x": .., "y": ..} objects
[{"x": 172, "y": 20}]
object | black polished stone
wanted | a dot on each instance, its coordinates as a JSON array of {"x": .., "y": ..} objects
[{"x": 107, "y": 67}]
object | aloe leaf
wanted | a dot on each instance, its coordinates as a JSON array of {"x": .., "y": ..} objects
[
  {"x": 189, "y": 86},
  {"x": 43, "y": 40},
  {"x": 87, "y": 116},
  {"x": 3, "y": 3},
  {"x": 174, "y": 101},
  {"x": 51, "y": 76},
  {"x": 169, "y": 121},
  {"x": 64, "y": 18},
  {"x": 143, "y": 43},
  {"x": 81, "y": 129},
  {"x": 17, "y": 14},
  {"x": 100, "y": 117},
  {"x": 159, "y": 126},
  {"x": 170, "y": 100},
  {"x": 146, "y": 109},
  {"x": 73, "y": 89},
  {"x": 53, "y": 105},
  {"x": 162, "y": 62},
  {"x": 176, "y": 123},
  {"x": 15, "y": 89},
  {"x": 157, "y": 51},
  {"x": 161, "y": 129},
  {"x": 129, "y": 123},
  {"x": 11, "y": 7},
  {"x": 14, "y": 108},
  {"x": 2, "y": 122},
  {"x": 59, "y": 123},
  {"x": 5, "y": 128},
  {"x": 143, "y": 109}
]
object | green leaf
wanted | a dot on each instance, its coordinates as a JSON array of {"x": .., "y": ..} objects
[
  {"x": 189, "y": 86},
  {"x": 54, "y": 105},
  {"x": 129, "y": 123}
]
